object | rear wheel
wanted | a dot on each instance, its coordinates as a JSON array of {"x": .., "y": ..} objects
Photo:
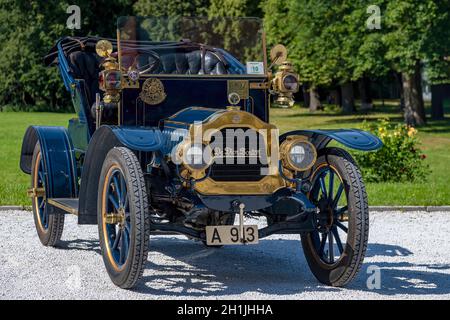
[
  {"x": 49, "y": 227},
  {"x": 336, "y": 250},
  {"x": 123, "y": 223}
]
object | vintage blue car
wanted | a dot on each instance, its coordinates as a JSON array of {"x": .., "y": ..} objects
[{"x": 173, "y": 135}]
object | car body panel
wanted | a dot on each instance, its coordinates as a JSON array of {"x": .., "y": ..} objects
[
  {"x": 59, "y": 160},
  {"x": 351, "y": 138}
]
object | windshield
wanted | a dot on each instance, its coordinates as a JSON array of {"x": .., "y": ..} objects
[{"x": 192, "y": 45}]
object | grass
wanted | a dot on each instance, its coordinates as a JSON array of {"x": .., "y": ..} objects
[
  {"x": 435, "y": 139},
  {"x": 13, "y": 182}
]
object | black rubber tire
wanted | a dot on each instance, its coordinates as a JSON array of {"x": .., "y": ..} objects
[
  {"x": 51, "y": 236},
  {"x": 140, "y": 224},
  {"x": 350, "y": 262}
]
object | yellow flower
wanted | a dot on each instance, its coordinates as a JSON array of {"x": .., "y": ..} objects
[{"x": 412, "y": 131}]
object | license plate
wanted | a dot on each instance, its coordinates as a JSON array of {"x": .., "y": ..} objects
[{"x": 230, "y": 235}]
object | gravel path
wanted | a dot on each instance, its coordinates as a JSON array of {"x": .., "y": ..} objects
[{"x": 410, "y": 251}]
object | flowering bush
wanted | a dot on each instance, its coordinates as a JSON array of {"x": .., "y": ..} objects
[{"x": 399, "y": 160}]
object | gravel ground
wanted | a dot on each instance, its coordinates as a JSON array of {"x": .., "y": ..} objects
[{"x": 410, "y": 249}]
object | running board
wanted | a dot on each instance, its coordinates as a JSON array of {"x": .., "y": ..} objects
[{"x": 69, "y": 205}]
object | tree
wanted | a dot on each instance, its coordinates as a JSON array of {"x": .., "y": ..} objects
[
  {"x": 365, "y": 52},
  {"x": 438, "y": 60},
  {"x": 312, "y": 48},
  {"x": 329, "y": 43},
  {"x": 29, "y": 29},
  {"x": 157, "y": 8},
  {"x": 414, "y": 33},
  {"x": 235, "y": 8}
]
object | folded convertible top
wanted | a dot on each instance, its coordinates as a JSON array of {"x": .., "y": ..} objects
[{"x": 73, "y": 44}]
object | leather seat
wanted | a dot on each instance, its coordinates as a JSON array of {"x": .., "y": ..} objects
[
  {"x": 189, "y": 63},
  {"x": 86, "y": 66}
]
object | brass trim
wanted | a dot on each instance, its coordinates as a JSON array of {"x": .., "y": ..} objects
[
  {"x": 36, "y": 192},
  {"x": 227, "y": 119},
  {"x": 241, "y": 87},
  {"x": 119, "y": 49},
  {"x": 267, "y": 185},
  {"x": 285, "y": 148},
  {"x": 259, "y": 85},
  {"x": 264, "y": 44},
  {"x": 62, "y": 207},
  {"x": 127, "y": 83},
  {"x": 153, "y": 92}
]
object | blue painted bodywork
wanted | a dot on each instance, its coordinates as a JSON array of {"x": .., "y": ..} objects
[
  {"x": 351, "y": 138},
  {"x": 59, "y": 160},
  {"x": 139, "y": 139}
]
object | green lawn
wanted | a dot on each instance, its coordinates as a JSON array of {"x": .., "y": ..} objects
[
  {"x": 14, "y": 182},
  {"x": 435, "y": 141}
]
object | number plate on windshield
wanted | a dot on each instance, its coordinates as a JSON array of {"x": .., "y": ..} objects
[{"x": 226, "y": 235}]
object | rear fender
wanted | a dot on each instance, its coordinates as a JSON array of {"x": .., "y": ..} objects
[
  {"x": 351, "y": 138},
  {"x": 59, "y": 159}
]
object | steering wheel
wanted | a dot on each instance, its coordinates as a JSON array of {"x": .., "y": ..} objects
[{"x": 135, "y": 54}]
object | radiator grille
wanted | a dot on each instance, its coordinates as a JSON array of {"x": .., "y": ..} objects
[{"x": 239, "y": 160}]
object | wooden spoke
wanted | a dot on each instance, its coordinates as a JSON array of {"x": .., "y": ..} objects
[
  {"x": 341, "y": 226},
  {"x": 331, "y": 247},
  {"x": 338, "y": 240}
]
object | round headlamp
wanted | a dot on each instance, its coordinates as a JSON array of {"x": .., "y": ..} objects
[
  {"x": 298, "y": 154},
  {"x": 290, "y": 83},
  {"x": 196, "y": 157}
]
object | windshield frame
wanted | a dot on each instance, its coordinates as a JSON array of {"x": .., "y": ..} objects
[{"x": 263, "y": 40}]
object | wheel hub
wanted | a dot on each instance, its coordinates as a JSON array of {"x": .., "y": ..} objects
[
  {"x": 326, "y": 215},
  {"x": 116, "y": 218}
]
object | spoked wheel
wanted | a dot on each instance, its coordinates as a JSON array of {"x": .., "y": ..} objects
[
  {"x": 336, "y": 250},
  {"x": 124, "y": 227},
  {"x": 49, "y": 227}
]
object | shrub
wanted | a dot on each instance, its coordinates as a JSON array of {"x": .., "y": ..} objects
[{"x": 399, "y": 160}]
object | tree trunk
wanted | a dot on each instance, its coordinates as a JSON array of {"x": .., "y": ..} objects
[
  {"x": 412, "y": 92},
  {"x": 334, "y": 97},
  {"x": 398, "y": 77},
  {"x": 306, "y": 97},
  {"x": 364, "y": 90},
  {"x": 437, "y": 101},
  {"x": 348, "y": 98},
  {"x": 314, "y": 100}
]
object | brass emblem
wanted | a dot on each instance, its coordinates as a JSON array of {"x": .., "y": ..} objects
[
  {"x": 153, "y": 92},
  {"x": 241, "y": 87},
  {"x": 236, "y": 119}
]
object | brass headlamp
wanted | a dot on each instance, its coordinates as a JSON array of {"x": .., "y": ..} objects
[
  {"x": 110, "y": 77},
  {"x": 298, "y": 154},
  {"x": 285, "y": 82}
]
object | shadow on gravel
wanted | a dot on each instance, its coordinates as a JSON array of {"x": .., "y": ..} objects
[
  {"x": 275, "y": 267},
  {"x": 80, "y": 244}
]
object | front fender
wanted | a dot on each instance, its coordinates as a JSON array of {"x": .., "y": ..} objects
[
  {"x": 104, "y": 139},
  {"x": 138, "y": 139},
  {"x": 351, "y": 138}
]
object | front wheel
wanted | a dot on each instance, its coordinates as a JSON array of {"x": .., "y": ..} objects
[
  {"x": 335, "y": 250},
  {"x": 124, "y": 227}
]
